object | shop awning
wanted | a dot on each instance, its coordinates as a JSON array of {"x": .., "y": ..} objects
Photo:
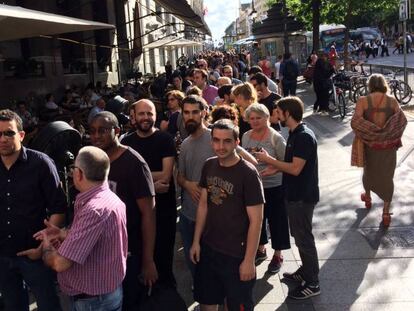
[
  {"x": 184, "y": 42},
  {"x": 182, "y": 10},
  {"x": 171, "y": 41},
  {"x": 245, "y": 40},
  {"x": 18, "y": 23}
]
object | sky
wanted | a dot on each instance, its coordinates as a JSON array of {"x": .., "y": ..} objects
[{"x": 220, "y": 14}]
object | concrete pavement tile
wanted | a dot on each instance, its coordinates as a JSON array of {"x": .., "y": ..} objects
[
  {"x": 365, "y": 307},
  {"x": 284, "y": 307},
  {"x": 266, "y": 291}
]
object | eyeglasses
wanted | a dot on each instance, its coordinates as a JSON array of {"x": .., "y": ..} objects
[
  {"x": 100, "y": 130},
  {"x": 8, "y": 134}
]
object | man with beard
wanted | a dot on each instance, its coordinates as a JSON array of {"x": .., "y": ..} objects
[
  {"x": 130, "y": 178},
  {"x": 266, "y": 97},
  {"x": 195, "y": 150},
  {"x": 158, "y": 150},
  {"x": 300, "y": 180}
]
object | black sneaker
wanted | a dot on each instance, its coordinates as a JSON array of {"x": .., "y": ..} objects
[
  {"x": 305, "y": 291},
  {"x": 295, "y": 276},
  {"x": 260, "y": 256},
  {"x": 275, "y": 264}
]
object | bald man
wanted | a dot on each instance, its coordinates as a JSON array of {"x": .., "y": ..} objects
[{"x": 158, "y": 150}]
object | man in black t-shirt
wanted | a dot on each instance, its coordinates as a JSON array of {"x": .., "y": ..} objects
[
  {"x": 130, "y": 178},
  {"x": 300, "y": 180},
  {"x": 158, "y": 150},
  {"x": 228, "y": 224},
  {"x": 266, "y": 97}
]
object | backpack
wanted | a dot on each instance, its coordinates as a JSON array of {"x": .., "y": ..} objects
[{"x": 290, "y": 72}]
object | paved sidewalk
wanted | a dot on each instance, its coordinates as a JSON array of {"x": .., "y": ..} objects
[{"x": 363, "y": 266}]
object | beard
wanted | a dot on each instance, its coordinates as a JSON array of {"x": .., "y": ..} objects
[
  {"x": 192, "y": 126},
  {"x": 146, "y": 128}
]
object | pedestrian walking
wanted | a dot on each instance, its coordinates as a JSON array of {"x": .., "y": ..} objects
[
  {"x": 322, "y": 84},
  {"x": 378, "y": 123},
  {"x": 289, "y": 70}
]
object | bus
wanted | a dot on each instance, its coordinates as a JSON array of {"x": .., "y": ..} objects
[{"x": 328, "y": 34}]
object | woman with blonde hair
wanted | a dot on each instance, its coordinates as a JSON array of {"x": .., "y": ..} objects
[
  {"x": 244, "y": 95},
  {"x": 378, "y": 123}
]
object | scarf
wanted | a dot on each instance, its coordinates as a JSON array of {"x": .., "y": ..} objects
[{"x": 375, "y": 137}]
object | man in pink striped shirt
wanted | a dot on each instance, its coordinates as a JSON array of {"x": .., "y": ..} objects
[{"x": 91, "y": 259}]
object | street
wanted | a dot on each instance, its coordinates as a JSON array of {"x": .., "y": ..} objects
[{"x": 362, "y": 266}]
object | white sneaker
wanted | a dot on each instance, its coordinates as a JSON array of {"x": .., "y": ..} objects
[{"x": 324, "y": 113}]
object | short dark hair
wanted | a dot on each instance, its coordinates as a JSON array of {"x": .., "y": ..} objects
[
  {"x": 108, "y": 116},
  {"x": 224, "y": 90},
  {"x": 8, "y": 115},
  {"x": 226, "y": 124},
  {"x": 287, "y": 55},
  {"x": 224, "y": 112},
  {"x": 293, "y": 105},
  {"x": 260, "y": 78},
  {"x": 195, "y": 100},
  {"x": 254, "y": 69}
]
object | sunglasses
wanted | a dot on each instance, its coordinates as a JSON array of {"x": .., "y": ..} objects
[{"x": 8, "y": 134}]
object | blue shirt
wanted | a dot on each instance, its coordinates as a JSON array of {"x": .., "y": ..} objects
[{"x": 29, "y": 191}]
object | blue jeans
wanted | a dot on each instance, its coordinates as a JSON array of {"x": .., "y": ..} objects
[
  {"x": 186, "y": 227},
  {"x": 106, "y": 302},
  {"x": 18, "y": 273}
]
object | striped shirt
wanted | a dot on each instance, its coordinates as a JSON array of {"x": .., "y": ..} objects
[{"x": 96, "y": 244}]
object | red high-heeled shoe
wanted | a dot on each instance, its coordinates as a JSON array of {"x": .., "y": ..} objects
[
  {"x": 368, "y": 201},
  {"x": 386, "y": 219}
]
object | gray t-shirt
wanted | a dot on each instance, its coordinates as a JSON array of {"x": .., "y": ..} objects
[
  {"x": 194, "y": 152},
  {"x": 275, "y": 146}
]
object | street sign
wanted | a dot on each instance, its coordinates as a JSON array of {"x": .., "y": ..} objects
[{"x": 403, "y": 10}]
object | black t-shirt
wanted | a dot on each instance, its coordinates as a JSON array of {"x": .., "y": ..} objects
[
  {"x": 130, "y": 178},
  {"x": 154, "y": 149},
  {"x": 230, "y": 190},
  {"x": 304, "y": 187},
  {"x": 270, "y": 103}
]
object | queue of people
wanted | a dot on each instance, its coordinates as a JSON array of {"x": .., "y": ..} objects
[{"x": 211, "y": 143}]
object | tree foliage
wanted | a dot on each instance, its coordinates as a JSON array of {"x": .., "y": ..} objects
[{"x": 352, "y": 13}]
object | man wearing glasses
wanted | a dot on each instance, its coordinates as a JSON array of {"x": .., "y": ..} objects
[{"x": 30, "y": 192}]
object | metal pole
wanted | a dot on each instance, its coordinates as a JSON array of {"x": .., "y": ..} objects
[{"x": 405, "y": 50}]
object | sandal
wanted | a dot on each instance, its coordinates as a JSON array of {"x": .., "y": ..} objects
[
  {"x": 386, "y": 219},
  {"x": 368, "y": 201}
]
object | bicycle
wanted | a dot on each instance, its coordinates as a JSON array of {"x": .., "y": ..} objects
[
  {"x": 337, "y": 99},
  {"x": 401, "y": 90}
]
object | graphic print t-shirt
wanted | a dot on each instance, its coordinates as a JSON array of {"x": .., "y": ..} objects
[{"x": 230, "y": 190}]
